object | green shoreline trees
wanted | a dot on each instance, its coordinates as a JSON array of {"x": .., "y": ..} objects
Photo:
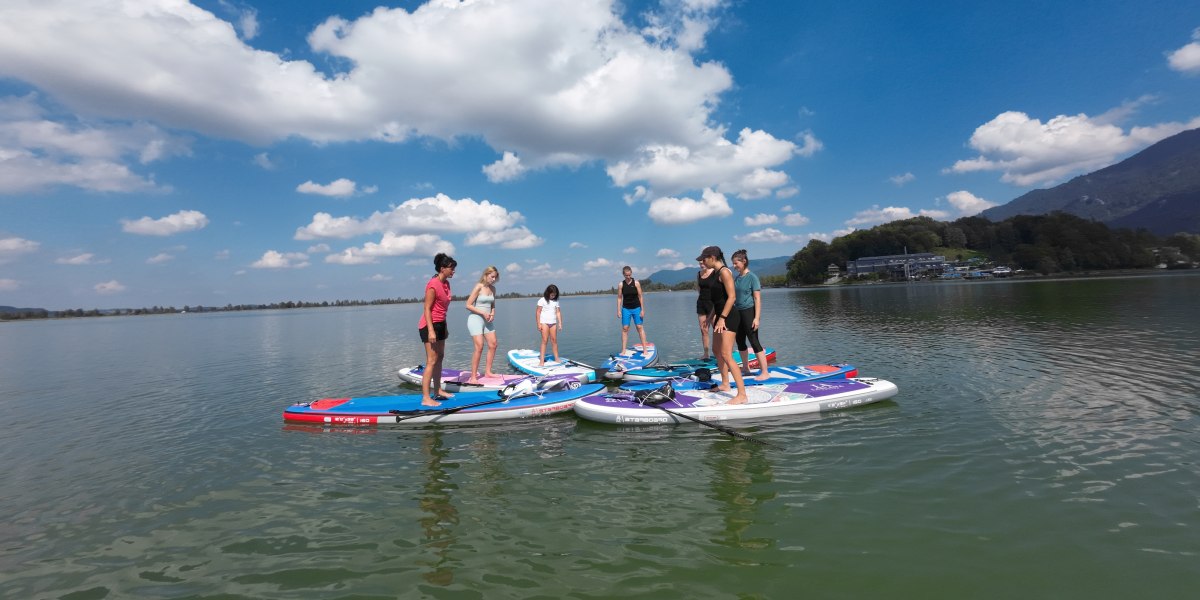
[{"x": 1053, "y": 243}]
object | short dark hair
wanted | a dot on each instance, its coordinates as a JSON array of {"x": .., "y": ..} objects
[
  {"x": 443, "y": 260},
  {"x": 551, "y": 289}
]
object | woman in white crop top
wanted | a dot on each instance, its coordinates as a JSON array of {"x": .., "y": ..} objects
[{"x": 549, "y": 321}]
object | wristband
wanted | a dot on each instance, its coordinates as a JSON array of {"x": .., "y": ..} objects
[{"x": 723, "y": 316}]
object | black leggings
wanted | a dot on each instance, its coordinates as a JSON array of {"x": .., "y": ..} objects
[{"x": 746, "y": 331}]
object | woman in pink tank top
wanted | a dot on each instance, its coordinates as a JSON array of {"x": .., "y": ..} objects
[{"x": 432, "y": 329}]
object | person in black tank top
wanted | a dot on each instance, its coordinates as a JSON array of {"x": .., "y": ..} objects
[
  {"x": 630, "y": 308},
  {"x": 704, "y": 305},
  {"x": 726, "y": 326}
]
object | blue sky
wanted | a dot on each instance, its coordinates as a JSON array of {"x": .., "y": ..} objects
[{"x": 160, "y": 152}]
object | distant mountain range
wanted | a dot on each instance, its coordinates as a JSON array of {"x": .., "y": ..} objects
[
  {"x": 761, "y": 266},
  {"x": 13, "y": 309},
  {"x": 1157, "y": 189}
]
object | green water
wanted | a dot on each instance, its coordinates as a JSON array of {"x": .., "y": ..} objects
[{"x": 1045, "y": 443}]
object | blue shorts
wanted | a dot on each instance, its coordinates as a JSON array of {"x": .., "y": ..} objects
[{"x": 631, "y": 314}]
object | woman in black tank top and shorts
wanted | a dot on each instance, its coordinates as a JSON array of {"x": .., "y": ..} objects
[
  {"x": 704, "y": 305},
  {"x": 726, "y": 326}
]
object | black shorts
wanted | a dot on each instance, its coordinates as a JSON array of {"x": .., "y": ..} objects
[
  {"x": 733, "y": 321},
  {"x": 439, "y": 330},
  {"x": 704, "y": 307},
  {"x": 746, "y": 332}
]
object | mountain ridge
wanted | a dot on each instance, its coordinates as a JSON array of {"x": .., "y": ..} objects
[{"x": 1157, "y": 189}]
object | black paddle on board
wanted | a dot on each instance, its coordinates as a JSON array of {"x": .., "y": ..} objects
[
  {"x": 444, "y": 411},
  {"x": 508, "y": 393},
  {"x": 658, "y": 397}
]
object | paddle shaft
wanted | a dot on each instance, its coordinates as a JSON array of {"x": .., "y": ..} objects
[
  {"x": 447, "y": 411},
  {"x": 713, "y": 425}
]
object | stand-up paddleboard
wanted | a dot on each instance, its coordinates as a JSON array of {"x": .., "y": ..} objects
[
  {"x": 764, "y": 401},
  {"x": 526, "y": 361},
  {"x": 637, "y": 356},
  {"x": 792, "y": 373},
  {"x": 779, "y": 374},
  {"x": 455, "y": 381},
  {"x": 462, "y": 408},
  {"x": 684, "y": 368}
]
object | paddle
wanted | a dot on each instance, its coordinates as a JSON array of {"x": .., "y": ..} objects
[
  {"x": 576, "y": 363},
  {"x": 503, "y": 397},
  {"x": 720, "y": 428},
  {"x": 600, "y": 373},
  {"x": 657, "y": 402},
  {"x": 444, "y": 411}
]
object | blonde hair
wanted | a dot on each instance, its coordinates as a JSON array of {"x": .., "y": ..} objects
[{"x": 491, "y": 269}]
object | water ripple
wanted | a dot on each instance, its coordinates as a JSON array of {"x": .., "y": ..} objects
[{"x": 148, "y": 459}]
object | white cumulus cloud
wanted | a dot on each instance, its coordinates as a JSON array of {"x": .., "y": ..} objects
[
  {"x": 38, "y": 153},
  {"x": 272, "y": 259},
  {"x": 338, "y": 188},
  {"x": 772, "y": 236},
  {"x": 554, "y": 83},
  {"x": 795, "y": 220},
  {"x": 666, "y": 253},
  {"x": 160, "y": 258},
  {"x": 900, "y": 180},
  {"x": 740, "y": 168},
  {"x": 1030, "y": 152},
  {"x": 760, "y": 219},
  {"x": 599, "y": 263},
  {"x": 673, "y": 211},
  {"x": 544, "y": 272},
  {"x": 968, "y": 204},
  {"x": 810, "y": 145},
  {"x": 515, "y": 238},
  {"x": 87, "y": 258},
  {"x": 247, "y": 23},
  {"x": 263, "y": 160},
  {"x": 508, "y": 168},
  {"x": 392, "y": 244},
  {"x": 109, "y": 287},
  {"x": 184, "y": 220},
  {"x": 1187, "y": 59},
  {"x": 12, "y": 247},
  {"x": 436, "y": 214},
  {"x": 878, "y": 216}
]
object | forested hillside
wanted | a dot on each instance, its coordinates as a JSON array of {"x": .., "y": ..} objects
[{"x": 1050, "y": 243}]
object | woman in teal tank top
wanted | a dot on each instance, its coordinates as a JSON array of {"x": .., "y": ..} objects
[{"x": 482, "y": 306}]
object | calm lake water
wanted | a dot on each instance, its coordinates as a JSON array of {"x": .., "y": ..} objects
[{"x": 1045, "y": 443}]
